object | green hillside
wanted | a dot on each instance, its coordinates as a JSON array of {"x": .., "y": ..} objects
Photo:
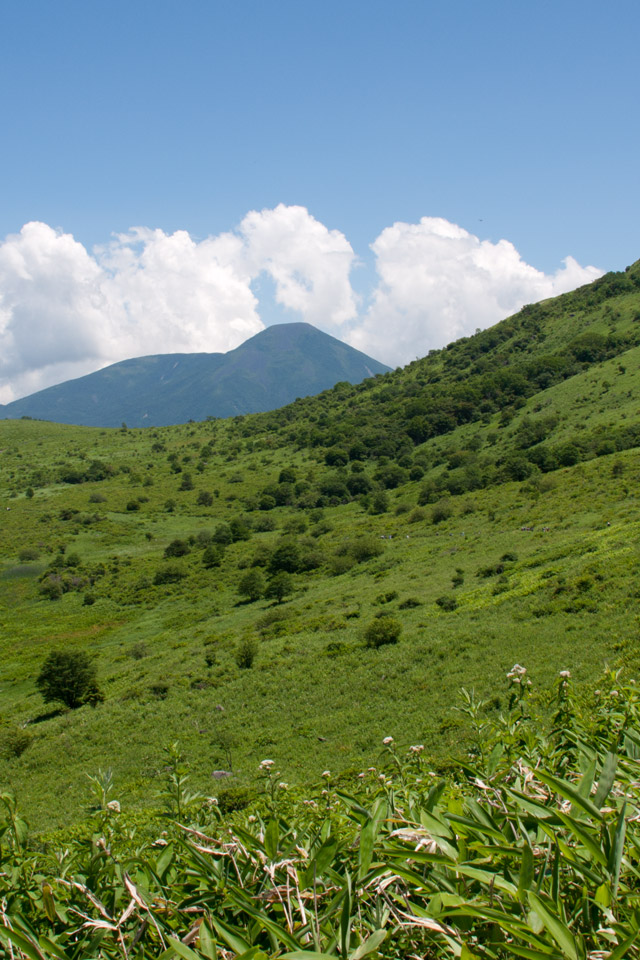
[
  {"x": 271, "y": 598},
  {"x": 483, "y": 498}
]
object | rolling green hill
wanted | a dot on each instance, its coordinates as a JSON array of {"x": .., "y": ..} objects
[
  {"x": 232, "y": 578},
  {"x": 280, "y": 363}
]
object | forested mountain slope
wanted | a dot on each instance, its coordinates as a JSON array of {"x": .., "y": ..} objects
[{"x": 271, "y": 369}]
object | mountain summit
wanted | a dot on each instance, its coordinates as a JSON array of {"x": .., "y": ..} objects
[{"x": 279, "y": 364}]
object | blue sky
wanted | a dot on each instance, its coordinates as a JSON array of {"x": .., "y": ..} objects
[{"x": 512, "y": 121}]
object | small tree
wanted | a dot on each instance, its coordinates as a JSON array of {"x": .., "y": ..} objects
[
  {"x": 69, "y": 677},
  {"x": 252, "y": 585},
  {"x": 177, "y": 548},
  {"x": 279, "y": 587}
]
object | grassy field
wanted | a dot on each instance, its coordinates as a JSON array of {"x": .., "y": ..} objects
[{"x": 484, "y": 549}]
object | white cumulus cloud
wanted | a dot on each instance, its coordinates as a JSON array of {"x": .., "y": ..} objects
[
  {"x": 66, "y": 311},
  {"x": 437, "y": 282}
]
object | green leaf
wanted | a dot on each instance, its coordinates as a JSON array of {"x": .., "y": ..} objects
[
  {"x": 345, "y": 919},
  {"x": 245, "y": 903},
  {"x": 183, "y": 950},
  {"x": 530, "y": 954},
  {"x": 306, "y": 955},
  {"x": 47, "y": 944},
  {"x": 525, "y": 877},
  {"x": 207, "y": 941},
  {"x": 607, "y": 777},
  {"x": 271, "y": 837},
  {"x": 622, "y": 950},
  {"x": 230, "y": 936},
  {"x": 22, "y": 943},
  {"x": 369, "y": 945},
  {"x": 255, "y": 953},
  {"x": 323, "y": 857},
  {"x": 365, "y": 851},
  {"x": 164, "y": 860},
  {"x": 617, "y": 850},
  {"x": 48, "y": 901},
  {"x": 569, "y": 792},
  {"x": 580, "y": 832},
  {"x": 554, "y": 926}
]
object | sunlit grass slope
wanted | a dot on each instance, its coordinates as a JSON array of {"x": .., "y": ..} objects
[{"x": 484, "y": 499}]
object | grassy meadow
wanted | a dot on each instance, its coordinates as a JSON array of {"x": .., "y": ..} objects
[{"x": 508, "y": 535}]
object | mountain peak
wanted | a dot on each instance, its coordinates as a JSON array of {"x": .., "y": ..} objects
[{"x": 272, "y": 368}]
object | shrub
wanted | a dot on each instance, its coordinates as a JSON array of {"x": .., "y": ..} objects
[
  {"x": 15, "y": 742},
  {"x": 364, "y": 548},
  {"x": 382, "y": 630},
  {"x": 177, "y": 548},
  {"x": 234, "y": 798},
  {"x": 204, "y": 499},
  {"x": 213, "y": 556},
  {"x": 246, "y": 653},
  {"x": 133, "y": 505},
  {"x": 447, "y": 603},
  {"x": 442, "y": 511},
  {"x": 68, "y": 677},
  {"x": 171, "y": 573},
  {"x": 409, "y": 603},
  {"x": 27, "y": 554},
  {"x": 379, "y": 502}
]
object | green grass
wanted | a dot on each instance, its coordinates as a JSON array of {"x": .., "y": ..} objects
[{"x": 316, "y": 696}]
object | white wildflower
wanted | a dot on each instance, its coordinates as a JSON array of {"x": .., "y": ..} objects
[
  {"x": 387, "y": 741},
  {"x": 266, "y": 764}
]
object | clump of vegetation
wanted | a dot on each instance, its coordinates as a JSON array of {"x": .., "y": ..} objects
[
  {"x": 69, "y": 677},
  {"x": 246, "y": 652},
  {"x": 563, "y": 886},
  {"x": 382, "y": 630},
  {"x": 170, "y": 573}
]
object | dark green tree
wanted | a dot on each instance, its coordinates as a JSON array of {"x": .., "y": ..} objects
[
  {"x": 252, "y": 585},
  {"x": 68, "y": 677},
  {"x": 279, "y": 587}
]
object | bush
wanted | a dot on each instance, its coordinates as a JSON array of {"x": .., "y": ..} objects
[
  {"x": 382, "y": 630},
  {"x": 213, "y": 556},
  {"x": 27, "y": 554},
  {"x": 442, "y": 511},
  {"x": 68, "y": 677},
  {"x": 204, "y": 499},
  {"x": 15, "y": 742},
  {"x": 133, "y": 505},
  {"x": 447, "y": 603},
  {"x": 234, "y": 798},
  {"x": 177, "y": 548},
  {"x": 172, "y": 573},
  {"x": 246, "y": 653}
]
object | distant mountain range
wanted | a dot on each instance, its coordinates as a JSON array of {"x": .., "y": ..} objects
[{"x": 279, "y": 364}]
